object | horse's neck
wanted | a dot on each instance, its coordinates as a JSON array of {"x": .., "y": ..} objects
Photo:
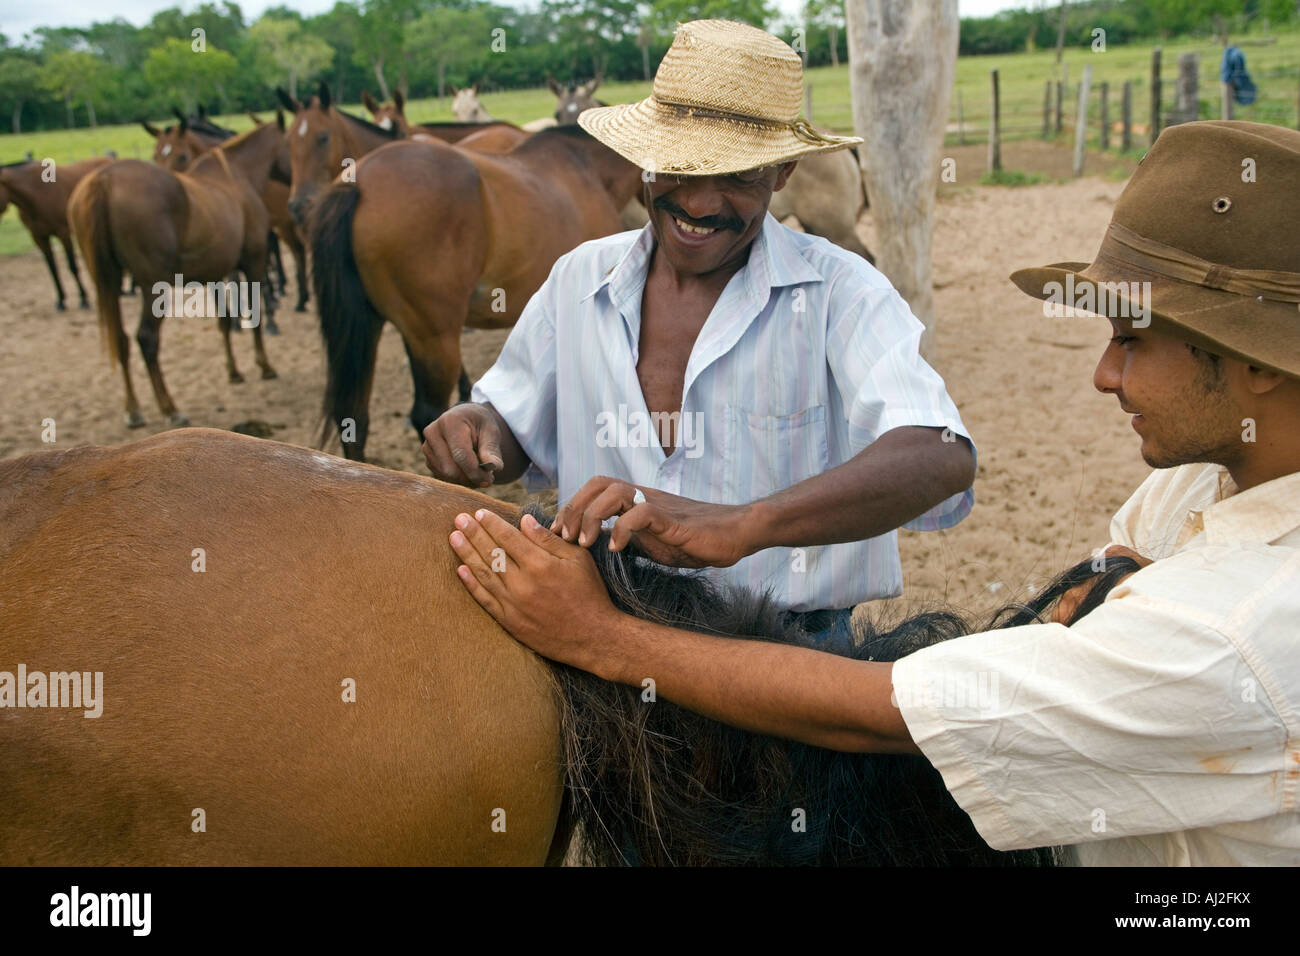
[
  {"x": 480, "y": 115},
  {"x": 23, "y": 185},
  {"x": 360, "y": 138},
  {"x": 619, "y": 178},
  {"x": 248, "y": 159}
]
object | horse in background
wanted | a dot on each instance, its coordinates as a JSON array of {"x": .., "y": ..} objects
[
  {"x": 435, "y": 238},
  {"x": 42, "y": 204},
  {"x": 335, "y": 712},
  {"x": 486, "y": 136},
  {"x": 203, "y": 225}
]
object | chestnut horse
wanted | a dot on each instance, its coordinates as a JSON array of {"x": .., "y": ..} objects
[
  {"x": 485, "y": 136},
  {"x": 202, "y": 225},
  {"x": 42, "y": 206},
  {"x": 434, "y": 239},
  {"x": 242, "y": 652},
  {"x": 176, "y": 146}
]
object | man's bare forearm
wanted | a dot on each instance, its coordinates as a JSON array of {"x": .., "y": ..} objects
[
  {"x": 775, "y": 689},
  {"x": 899, "y": 477}
]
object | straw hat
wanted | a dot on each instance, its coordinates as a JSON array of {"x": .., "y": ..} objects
[
  {"x": 1209, "y": 219},
  {"x": 726, "y": 98}
]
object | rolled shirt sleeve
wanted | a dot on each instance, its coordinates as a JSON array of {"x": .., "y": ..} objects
[
  {"x": 520, "y": 385},
  {"x": 1153, "y": 714},
  {"x": 873, "y": 350}
]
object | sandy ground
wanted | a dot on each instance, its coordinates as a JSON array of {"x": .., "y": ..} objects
[{"x": 1055, "y": 457}]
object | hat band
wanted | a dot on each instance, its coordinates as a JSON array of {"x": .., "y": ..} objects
[
  {"x": 1126, "y": 246},
  {"x": 799, "y": 127}
]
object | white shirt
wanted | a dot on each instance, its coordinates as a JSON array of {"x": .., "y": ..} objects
[
  {"x": 808, "y": 356},
  {"x": 1164, "y": 727}
]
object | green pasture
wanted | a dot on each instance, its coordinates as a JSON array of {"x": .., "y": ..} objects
[{"x": 1274, "y": 66}]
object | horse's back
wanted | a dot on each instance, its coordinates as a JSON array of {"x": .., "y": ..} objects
[{"x": 291, "y": 672}]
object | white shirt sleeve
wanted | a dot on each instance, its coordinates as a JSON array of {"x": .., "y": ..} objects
[
  {"x": 520, "y": 385},
  {"x": 873, "y": 350},
  {"x": 1151, "y": 715}
]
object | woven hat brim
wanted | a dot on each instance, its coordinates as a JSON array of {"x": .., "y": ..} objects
[
  {"x": 670, "y": 140},
  {"x": 1258, "y": 331}
]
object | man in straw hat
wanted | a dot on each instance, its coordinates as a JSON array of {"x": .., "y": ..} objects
[
  {"x": 1164, "y": 726},
  {"x": 753, "y": 396}
]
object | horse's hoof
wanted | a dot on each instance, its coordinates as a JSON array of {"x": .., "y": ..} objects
[
  {"x": 236, "y": 378},
  {"x": 179, "y": 420},
  {"x": 60, "y": 307},
  {"x": 84, "y": 305},
  {"x": 134, "y": 420},
  {"x": 272, "y": 329},
  {"x": 300, "y": 307},
  {"x": 269, "y": 372}
]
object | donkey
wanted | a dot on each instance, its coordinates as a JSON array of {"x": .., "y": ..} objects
[{"x": 313, "y": 709}]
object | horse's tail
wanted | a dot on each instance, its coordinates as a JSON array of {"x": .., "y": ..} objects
[
  {"x": 88, "y": 218},
  {"x": 348, "y": 319}
]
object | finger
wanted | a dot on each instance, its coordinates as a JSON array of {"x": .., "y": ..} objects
[
  {"x": 567, "y": 519},
  {"x": 481, "y": 594},
  {"x": 642, "y": 517},
  {"x": 471, "y": 555},
  {"x": 438, "y": 456},
  {"x": 614, "y": 500},
  {"x": 552, "y": 543},
  {"x": 460, "y": 445},
  {"x": 489, "y": 448},
  {"x": 490, "y": 532},
  {"x": 1069, "y": 602}
]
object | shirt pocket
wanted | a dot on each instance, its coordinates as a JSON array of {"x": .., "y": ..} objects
[{"x": 768, "y": 453}]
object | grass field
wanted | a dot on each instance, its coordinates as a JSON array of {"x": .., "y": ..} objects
[{"x": 1275, "y": 67}]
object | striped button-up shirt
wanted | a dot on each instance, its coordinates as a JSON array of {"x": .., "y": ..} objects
[{"x": 808, "y": 356}]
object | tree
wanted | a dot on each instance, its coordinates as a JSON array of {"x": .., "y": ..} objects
[
  {"x": 19, "y": 82},
  {"x": 667, "y": 13},
  {"x": 829, "y": 16},
  {"x": 174, "y": 68},
  {"x": 286, "y": 50},
  {"x": 76, "y": 74}
]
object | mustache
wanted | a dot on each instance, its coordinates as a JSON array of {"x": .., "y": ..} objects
[{"x": 708, "y": 222}]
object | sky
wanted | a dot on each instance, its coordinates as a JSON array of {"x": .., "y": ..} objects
[{"x": 18, "y": 17}]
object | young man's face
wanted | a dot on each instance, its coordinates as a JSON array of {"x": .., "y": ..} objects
[
  {"x": 705, "y": 223},
  {"x": 1182, "y": 403}
]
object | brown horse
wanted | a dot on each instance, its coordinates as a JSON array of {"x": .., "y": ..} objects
[
  {"x": 484, "y": 136},
  {"x": 573, "y": 98},
  {"x": 434, "y": 238},
  {"x": 42, "y": 204},
  {"x": 201, "y": 225},
  {"x": 176, "y": 146},
  {"x": 206, "y": 681}
]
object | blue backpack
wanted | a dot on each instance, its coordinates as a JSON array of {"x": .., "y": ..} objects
[{"x": 1233, "y": 72}]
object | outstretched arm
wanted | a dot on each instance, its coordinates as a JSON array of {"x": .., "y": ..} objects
[{"x": 551, "y": 598}]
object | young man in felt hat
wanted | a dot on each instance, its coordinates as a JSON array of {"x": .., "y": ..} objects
[
  {"x": 753, "y": 397},
  {"x": 1162, "y": 728}
]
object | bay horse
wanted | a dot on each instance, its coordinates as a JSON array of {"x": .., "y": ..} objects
[
  {"x": 292, "y": 674},
  {"x": 202, "y": 225},
  {"x": 484, "y": 136},
  {"x": 435, "y": 239},
  {"x": 178, "y": 145},
  {"x": 43, "y": 208}
]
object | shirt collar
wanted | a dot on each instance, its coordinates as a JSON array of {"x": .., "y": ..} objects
[
  {"x": 1262, "y": 514},
  {"x": 775, "y": 261}
]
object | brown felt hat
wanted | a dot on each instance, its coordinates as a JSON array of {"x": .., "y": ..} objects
[{"x": 1211, "y": 219}]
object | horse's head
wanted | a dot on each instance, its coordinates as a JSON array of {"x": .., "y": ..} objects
[
  {"x": 176, "y": 147},
  {"x": 390, "y": 116},
  {"x": 573, "y": 99},
  {"x": 317, "y": 147},
  {"x": 465, "y": 106}
]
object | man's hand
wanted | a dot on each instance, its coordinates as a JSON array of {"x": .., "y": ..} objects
[
  {"x": 463, "y": 446},
  {"x": 669, "y": 529},
  {"x": 546, "y": 593},
  {"x": 1069, "y": 601}
]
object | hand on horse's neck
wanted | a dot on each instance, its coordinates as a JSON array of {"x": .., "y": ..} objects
[{"x": 674, "y": 307}]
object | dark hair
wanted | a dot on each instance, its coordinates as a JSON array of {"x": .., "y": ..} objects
[{"x": 653, "y": 783}]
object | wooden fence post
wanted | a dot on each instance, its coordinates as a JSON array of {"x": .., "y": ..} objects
[
  {"x": 1155, "y": 94},
  {"x": 1081, "y": 121},
  {"x": 1225, "y": 105},
  {"x": 1126, "y": 137},
  {"x": 1105, "y": 116},
  {"x": 1060, "y": 89},
  {"x": 961, "y": 123},
  {"x": 1187, "y": 104},
  {"x": 1047, "y": 110},
  {"x": 995, "y": 122}
]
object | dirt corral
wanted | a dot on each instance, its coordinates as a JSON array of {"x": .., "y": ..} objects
[{"x": 1055, "y": 457}]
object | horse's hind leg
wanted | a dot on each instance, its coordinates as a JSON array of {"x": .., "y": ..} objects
[
  {"x": 72, "y": 265},
  {"x": 44, "y": 245},
  {"x": 232, "y": 371},
  {"x": 148, "y": 335},
  {"x": 299, "y": 269}
]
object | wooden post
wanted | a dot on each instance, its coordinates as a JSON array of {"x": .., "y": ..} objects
[
  {"x": 1126, "y": 137},
  {"x": 961, "y": 123},
  {"x": 1155, "y": 94},
  {"x": 1226, "y": 103},
  {"x": 995, "y": 122},
  {"x": 1060, "y": 89},
  {"x": 902, "y": 84},
  {"x": 1081, "y": 121},
  {"x": 1187, "y": 105},
  {"x": 1047, "y": 110},
  {"x": 1105, "y": 116}
]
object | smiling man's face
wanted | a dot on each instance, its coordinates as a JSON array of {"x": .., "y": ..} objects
[{"x": 706, "y": 223}]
